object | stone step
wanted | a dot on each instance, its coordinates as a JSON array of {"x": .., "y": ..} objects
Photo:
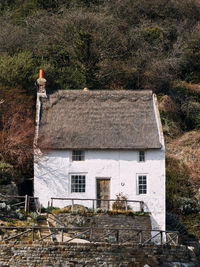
[{"x": 42, "y": 222}]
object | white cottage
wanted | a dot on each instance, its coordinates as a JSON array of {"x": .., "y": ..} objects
[{"x": 96, "y": 144}]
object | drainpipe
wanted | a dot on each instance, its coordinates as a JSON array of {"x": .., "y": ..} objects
[{"x": 41, "y": 92}]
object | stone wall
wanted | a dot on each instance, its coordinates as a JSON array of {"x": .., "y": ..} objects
[
  {"x": 97, "y": 254},
  {"x": 106, "y": 221}
]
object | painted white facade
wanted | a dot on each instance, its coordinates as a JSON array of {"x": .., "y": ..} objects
[{"x": 54, "y": 169}]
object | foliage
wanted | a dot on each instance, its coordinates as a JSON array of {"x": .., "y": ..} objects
[
  {"x": 6, "y": 173},
  {"x": 16, "y": 133},
  {"x": 120, "y": 202},
  {"x": 173, "y": 223},
  {"x": 17, "y": 69},
  {"x": 35, "y": 216},
  {"x": 100, "y": 44},
  {"x": 191, "y": 222},
  {"x": 187, "y": 205},
  {"x": 177, "y": 183}
]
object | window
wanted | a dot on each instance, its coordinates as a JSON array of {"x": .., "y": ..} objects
[
  {"x": 141, "y": 155},
  {"x": 77, "y": 155},
  {"x": 142, "y": 184},
  {"x": 78, "y": 183}
]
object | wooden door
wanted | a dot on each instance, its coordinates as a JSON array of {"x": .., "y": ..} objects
[{"x": 103, "y": 193}]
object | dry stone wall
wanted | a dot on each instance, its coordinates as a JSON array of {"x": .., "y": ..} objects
[
  {"x": 94, "y": 254},
  {"x": 106, "y": 221}
]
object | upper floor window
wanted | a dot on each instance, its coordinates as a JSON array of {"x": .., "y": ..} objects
[
  {"x": 78, "y": 155},
  {"x": 141, "y": 155},
  {"x": 142, "y": 184}
]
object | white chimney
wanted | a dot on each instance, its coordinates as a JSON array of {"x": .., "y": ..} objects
[{"x": 41, "y": 82}]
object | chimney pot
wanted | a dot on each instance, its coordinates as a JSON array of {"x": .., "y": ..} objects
[
  {"x": 41, "y": 74},
  {"x": 41, "y": 81}
]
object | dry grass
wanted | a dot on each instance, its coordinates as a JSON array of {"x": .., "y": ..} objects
[{"x": 186, "y": 148}]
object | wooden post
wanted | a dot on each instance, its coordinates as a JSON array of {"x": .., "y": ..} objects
[
  {"x": 140, "y": 237},
  {"x": 72, "y": 204},
  {"x": 52, "y": 202},
  {"x": 93, "y": 205},
  {"x": 126, "y": 205},
  {"x": 161, "y": 238},
  {"x": 26, "y": 208},
  {"x": 90, "y": 239},
  {"x": 32, "y": 234},
  {"x": 117, "y": 236},
  {"x": 62, "y": 235},
  {"x": 141, "y": 206}
]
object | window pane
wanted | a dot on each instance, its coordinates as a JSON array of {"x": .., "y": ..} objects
[
  {"x": 142, "y": 184},
  {"x": 141, "y": 155},
  {"x": 77, "y": 155},
  {"x": 78, "y": 183}
]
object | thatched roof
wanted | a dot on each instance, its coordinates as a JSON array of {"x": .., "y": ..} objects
[{"x": 77, "y": 119}]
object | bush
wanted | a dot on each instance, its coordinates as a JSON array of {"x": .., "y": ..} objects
[
  {"x": 120, "y": 202},
  {"x": 6, "y": 173},
  {"x": 177, "y": 183},
  {"x": 173, "y": 223},
  {"x": 187, "y": 205},
  {"x": 17, "y": 69}
]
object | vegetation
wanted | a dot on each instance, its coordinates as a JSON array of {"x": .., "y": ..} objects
[
  {"x": 120, "y": 202},
  {"x": 99, "y": 44}
]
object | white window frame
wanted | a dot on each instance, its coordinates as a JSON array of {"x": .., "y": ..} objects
[
  {"x": 140, "y": 155},
  {"x": 80, "y": 175},
  {"x": 137, "y": 183},
  {"x": 75, "y": 157}
]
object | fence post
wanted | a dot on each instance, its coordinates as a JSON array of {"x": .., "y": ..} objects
[
  {"x": 126, "y": 205},
  {"x": 177, "y": 239},
  {"x": 141, "y": 206},
  {"x": 51, "y": 202},
  {"x": 93, "y": 204},
  {"x": 140, "y": 237},
  {"x": 117, "y": 236},
  {"x": 26, "y": 208},
  {"x": 90, "y": 234},
  {"x": 32, "y": 234},
  {"x": 161, "y": 238},
  {"x": 72, "y": 205},
  {"x": 62, "y": 235}
]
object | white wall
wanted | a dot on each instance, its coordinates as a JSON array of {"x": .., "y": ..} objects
[{"x": 53, "y": 170}]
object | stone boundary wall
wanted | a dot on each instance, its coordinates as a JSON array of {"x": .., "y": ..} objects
[
  {"x": 106, "y": 221},
  {"x": 93, "y": 254}
]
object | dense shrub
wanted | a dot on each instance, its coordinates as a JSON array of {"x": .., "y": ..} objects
[
  {"x": 6, "y": 173},
  {"x": 187, "y": 205},
  {"x": 177, "y": 183}
]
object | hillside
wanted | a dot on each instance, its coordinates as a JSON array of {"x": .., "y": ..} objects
[{"x": 117, "y": 44}]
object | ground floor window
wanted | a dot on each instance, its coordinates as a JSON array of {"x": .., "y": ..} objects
[
  {"x": 78, "y": 183},
  {"x": 142, "y": 184}
]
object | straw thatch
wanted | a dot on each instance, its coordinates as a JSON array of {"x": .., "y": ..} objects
[{"x": 74, "y": 119}]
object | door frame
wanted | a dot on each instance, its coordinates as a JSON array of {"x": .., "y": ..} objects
[{"x": 102, "y": 178}]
